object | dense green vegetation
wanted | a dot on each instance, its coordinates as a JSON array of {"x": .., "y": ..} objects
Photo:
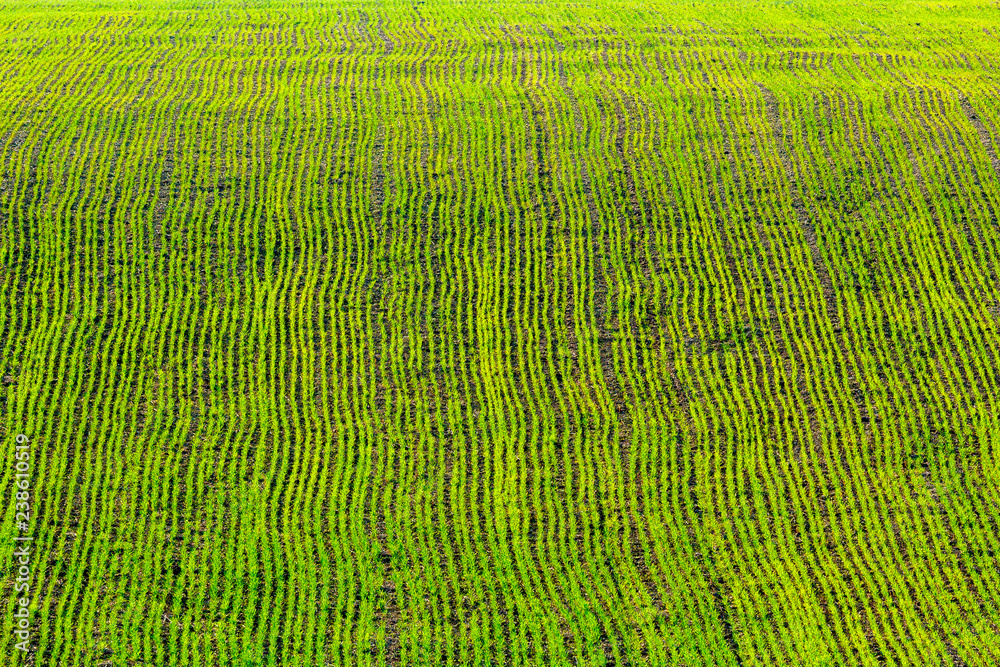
[{"x": 503, "y": 333}]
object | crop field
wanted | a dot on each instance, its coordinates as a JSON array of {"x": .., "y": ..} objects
[{"x": 500, "y": 333}]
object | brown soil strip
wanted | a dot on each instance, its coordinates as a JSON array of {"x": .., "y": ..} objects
[
  {"x": 903, "y": 561},
  {"x": 805, "y": 222},
  {"x": 984, "y": 135},
  {"x": 857, "y": 394},
  {"x": 594, "y": 220},
  {"x": 617, "y": 394},
  {"x": 390, "y": 615},
  {"x": 976, "y": 240},
  {"x": 718, "y": 201},
  {"x": 949, "y": 647},
  {"x": 808, "y": 405},
  {"x": 952, "y": 539},
  {"x": 546, "y": 207},
  {"x": 716, "y": 586}
]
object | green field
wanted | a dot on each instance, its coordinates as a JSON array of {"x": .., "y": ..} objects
[{"x": 502, "y": 333}]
